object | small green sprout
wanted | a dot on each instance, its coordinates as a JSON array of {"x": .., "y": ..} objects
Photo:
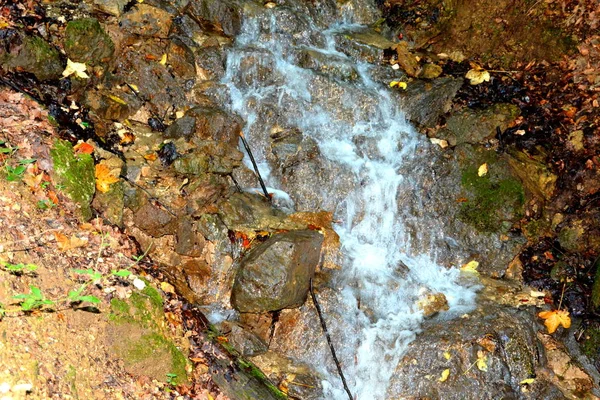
[{"x": 34, "y": 299}]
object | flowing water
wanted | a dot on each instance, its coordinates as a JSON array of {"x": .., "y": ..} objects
[{"x": 382, "y": 273}]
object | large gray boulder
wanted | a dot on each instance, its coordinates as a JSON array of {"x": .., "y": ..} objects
[{"x": 276, "y": 274}]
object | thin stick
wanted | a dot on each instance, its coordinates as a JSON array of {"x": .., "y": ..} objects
[
  {"x": 324, "y": 326},
  {"x": 262, "y": 183}
]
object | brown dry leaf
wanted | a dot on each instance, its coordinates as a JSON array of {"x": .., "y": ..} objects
[
  {"x": 104, "y": 178},
  {"x": 555, "y": 318},
  {"x": 65, "y": 243}
]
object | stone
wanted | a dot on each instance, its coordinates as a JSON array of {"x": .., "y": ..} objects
[
  {"x": 154, "y": 220},
  {"x": 188, "y": 241},
  {"x": 244, "y": 341},
  {"x": 327, "y": 64},
  {"x": 224, "y": 15},
  {"x": 432, "y": 303},
  {"x": 111, "y": 7},
  {"x": 501, "y": 336},
  {"x": 364, "y": 44},
  {"x": 536, "y": 176},
  {"x": 87, "y": 42},
  {"x": 425, "y": 102},
  {"x": 145, "y": 20},
  {"x": 476, "y": 126},
  {"x": 275, "y": 274},
  {"x": 406, "y": 60},
  {"x": 213, "y": 123},
  {"x": 29, "y": 54}
]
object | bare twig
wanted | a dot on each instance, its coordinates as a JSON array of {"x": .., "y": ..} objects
[
  {"x": 262, "y": 183},
  {"x": 329, "y": 342}
]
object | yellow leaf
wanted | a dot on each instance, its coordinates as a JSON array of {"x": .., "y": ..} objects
[
  {"x": 134, "y": 87},
  {"x": 116, "y": 99},
  {"x": 447, "y": 355},
  {"x": 483, "y": 169},
  {"x": 481, "y": 361},
  {"x": 527, "y": 381},
  {"x": 163, "y": 59},
  {"x": 471, "y": 266},
  {"x": 555, "y": 318},
  {"x": 445, "y": 375},
  {"x": 104, "y": 178},
  {"x": 75, "y": 68},
  {"x": 65, "y": 243},
  {"x": 477, "y": 76},
  {"x": 401, "y": 85}
]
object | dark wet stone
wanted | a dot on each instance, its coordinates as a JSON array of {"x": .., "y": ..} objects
[
  {"x": 504, "y": 336},
  {"x": 212, "y": 123},
  {"x": 154, "y": 220},
  {"x": 183, "y": 127},
  {"x": 212, "y": 60},
  {"x": 195, "y": 163},
  {"x": 326, "y": 64},
  {"x": 147, "y": 21},
  {"x": 244, "y": 341},
  {"x": 87, "y": 42},
  {"x": 189, "y": 241},
  {"x": 22, "y": 52},
  {"x": 223, "y": 15},
  {"x": 275, "y": 274},
  {"x": 108, "y": 106},
  {"x": 425, "y": 102},
  {"x": 181, "y": 60},
  {"x": 364, "y": 44}
]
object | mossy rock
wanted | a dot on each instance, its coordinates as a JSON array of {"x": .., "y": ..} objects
[
  {"x": 76, "y": 173},
  {"x": 495, "y": 200},
  {"x": 140, "y": 338},
  {"x": 86, "y": 42},
  {"x": 30, "y": 54}
]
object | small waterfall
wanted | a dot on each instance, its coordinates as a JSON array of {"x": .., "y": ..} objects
[{"x": 366, "y": 140}]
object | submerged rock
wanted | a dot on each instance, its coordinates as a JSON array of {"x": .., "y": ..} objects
[{"x": 275, "y": 274}]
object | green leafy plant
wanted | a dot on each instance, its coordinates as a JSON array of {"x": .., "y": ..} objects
[
  {"x": 15, "y": 173},
  {"x": 45, "y": 204},
  {"x": 33, "y": 300},
  {"x": 172, "y": 379},
  {"x": 18, "y": 269}
]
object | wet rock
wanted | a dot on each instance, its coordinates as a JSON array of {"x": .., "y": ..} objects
[
  {"x": 580, "y": 235},
  {"x": 87, "y": 42},
  {"x": 181, "y": 60},
  {"x": 223, "y": 159},
  {"x": 19, "y": 51},
  {"x": 299, "y": 379},
  {"x": 154, "y": 220},
  {"x": 212, "y": 61},
  {"x": 145, "y": 20},
  {"x": 363, "y": 12},
  {"x": 108, "y": 106},
  {"x": 246, "y": 212},
  {"x": 424, "y": 102},
  {"x": 276, "y": 274},
  {"x": 195, "y": 163},
  {"x": 244, "y": 341},
  {"x": 537, "y": 178},
  {"x": 111, "y": 7},
  {"x": 432, "y": 304},
  {"x": 189, "y": 242},
  {"x": 364, "y": 44},
  {"x": 215, "y": 124},
  {"x": 475, "y": 126},
  {"x": 224, "y": 16},
  {"x": 327, "y": 64},
  {"x": 503, "y": 338}
]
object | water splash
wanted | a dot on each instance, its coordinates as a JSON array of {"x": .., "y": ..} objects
[{"x": 363, "y": 133}]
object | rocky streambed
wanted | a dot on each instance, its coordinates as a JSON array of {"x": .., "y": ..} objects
[{"x": 379, "y": 214}]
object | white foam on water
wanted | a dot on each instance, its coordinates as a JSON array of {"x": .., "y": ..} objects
[{"x": 378, "y": 271}]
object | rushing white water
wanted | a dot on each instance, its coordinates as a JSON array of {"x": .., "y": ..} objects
[{"x": 266, "y": 87}]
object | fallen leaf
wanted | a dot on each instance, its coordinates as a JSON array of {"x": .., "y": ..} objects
[
  {"x": 445, "y": 375},
  {"x": 527, "y": 381},
  {"x": 447, "y": 355},
  {"x": 65, "y": 243},
  {"x": 482, "y": 361},
  {"x": 471, "y": 266},
  {"x": 477, "y": 75},
  {"x": 440, "y": 142},
  {"x": 483, "y": 170},
  {"x": 520, "y": 132},
  {"x": 555, "y": 318},
  {"x": 163, "y": 59},
  {"x": 104, "y": 178},
  {"x": 401, "y": 85},
  {"x": 75, "y": 68},
  {"x": 83, "y": 148},
  {"x": 117, "y": 99}
]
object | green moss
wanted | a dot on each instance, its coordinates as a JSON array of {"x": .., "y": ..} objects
[
  {"x": 494, "y": 202},
  {"x": 591, "y": 344},
  {"x": 76, "y": 173},
  {"x": 154, "y": 296},
  {"x": 86, "y": 41},
  {"x": 71, "y": 377}
]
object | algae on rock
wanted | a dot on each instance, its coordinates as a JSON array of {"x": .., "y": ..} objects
[{"x": 76, "y": 173}]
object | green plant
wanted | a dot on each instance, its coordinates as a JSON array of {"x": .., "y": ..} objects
[
  {"x": 33, "y": 300},
  {"x": 172, "y": 379},
  {"x": 18, "y": 269},
  {"x": 45, "y": 204},
  {"x": 15, "y": 173}
]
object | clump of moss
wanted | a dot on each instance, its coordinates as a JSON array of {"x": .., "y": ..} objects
[
  {"x": 76, "y": 173},
  {"x": 494, "y": 202}
]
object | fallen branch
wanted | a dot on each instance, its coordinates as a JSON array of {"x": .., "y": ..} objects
[
  {"x": 324, "y": 326},
  {"x": 262, "y": 183}
]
